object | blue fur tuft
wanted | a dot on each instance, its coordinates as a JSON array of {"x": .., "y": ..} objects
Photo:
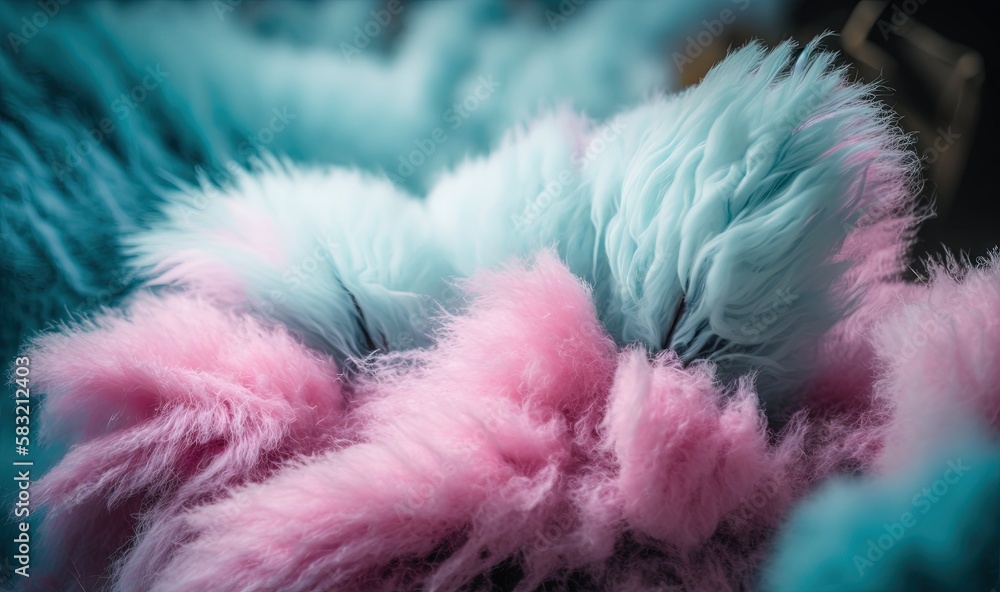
[
  {"x": 926, "y": 529},
  {"x": 711, "y": 222}
]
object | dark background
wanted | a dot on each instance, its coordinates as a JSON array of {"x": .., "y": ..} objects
[{"x": 966, "y": 220}]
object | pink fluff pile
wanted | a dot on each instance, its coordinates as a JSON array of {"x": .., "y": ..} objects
[
  {"x": 523, "y": 442},
  {"x": 173, "y": 403},
  {"x": 939, "y": 358}
]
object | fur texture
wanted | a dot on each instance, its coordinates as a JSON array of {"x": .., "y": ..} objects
[
  {"x": 941, "y": 357},
  {"x": 743, "y": 241},
  {"x": 546, "y": 458},
  {"x": 734, "y": 222},
  {"x": 565, "y": 462},
  {"x": 281, "y": 242},
  {"x": 929, "y": 518},
  {"x": 171, "y": 404},
  {"x": 64, "y": 201},
  {"x": 361, "y": 99},
  {"x": 110, "y": 103},
  {"x": 933, "y": 526}
]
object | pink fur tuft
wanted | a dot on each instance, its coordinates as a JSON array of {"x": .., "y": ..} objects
[
  {"x": 941, "y": 357},
  {"x": 515, "y": 442},
  {"x": 176, "y": 401},
  {"x": 686, "y": 458}
]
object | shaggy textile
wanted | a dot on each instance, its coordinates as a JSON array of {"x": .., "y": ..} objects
[
  {"x": 523, "y": 436},
  {"x": 667, "y": 349},
  {"x": 735, "y": 222}
]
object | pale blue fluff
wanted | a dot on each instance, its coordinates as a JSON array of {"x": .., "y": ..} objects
[
  {"x": 207, "y": 82},
  {"x": 735, "y": 195},
  {"x": 342, "y": 258}
]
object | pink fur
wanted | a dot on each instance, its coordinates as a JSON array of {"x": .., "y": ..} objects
[
  {"x": 175, "y": 401},
  {"x": 677, "y": 479},
  {"x": 941, "y": 358},
  {"x": 876, "y": 250},
  {"x": 462, "y": 446},
  {"x": 524, "y": 437}
]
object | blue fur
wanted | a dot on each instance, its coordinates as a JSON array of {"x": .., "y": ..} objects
[
  {"x": 320, "y": 260},
  {"x": 720, "y": 195},
  {"x": 360, "y": 101},
  {"x": 726, "y": 198},
  {"x": 948, "y": 542},
  {"x": 717, "y": 195},
  {"x": 66, "y": 200},
  {"x": 226, "y": 71}
]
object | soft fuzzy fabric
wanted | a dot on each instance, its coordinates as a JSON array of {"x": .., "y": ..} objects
[
  {"x": 662, "y": 416},
  {"x": 347, "y": 97},
  {"x": 564, "y": 463},
  {"x": 938, "y": 358},
  {"x": 172, "y": 402},
  {"x": 288, "y": 245},
  {"x": 941, "y": 357},
  {"x": 68, "y": 190},
  {"x": 65, "y": 198},
  {"x": 713, "y": 265},
  {"x": 521, "y": 439},
  {"x": 735, "y": 222},
  {"x": 109, "y": 102},
  {"x": 478, "y": 428},
  {"x": 934, "y": 526}
]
